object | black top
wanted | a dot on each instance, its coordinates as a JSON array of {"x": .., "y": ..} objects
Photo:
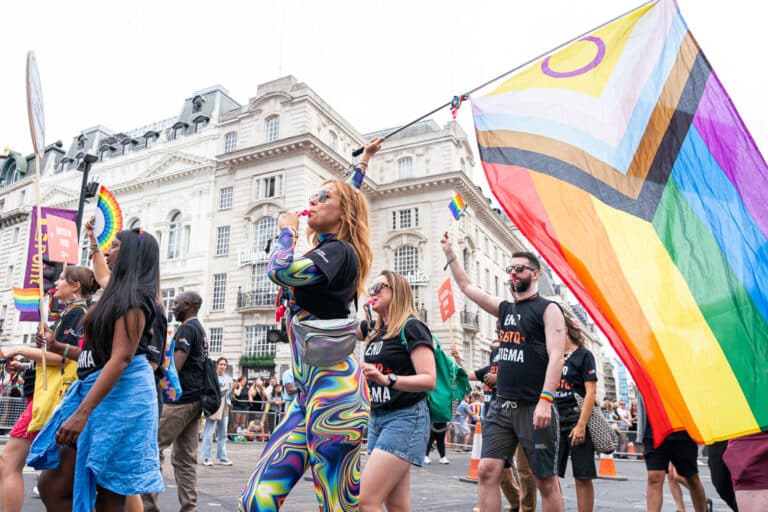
[
  {"x": 330, "y": 297},
  {"x": 67, "y": 329},
  {"x": 156, "y": 349},
  {"x": 391, "y": 356},
  {"x": 89, "y": 361},
  {"x": 191, "y": 338},
  {"x": 579, "y": 367},
  {"x": 523, "y": 354},
  {"x": 489, "y": 392}
]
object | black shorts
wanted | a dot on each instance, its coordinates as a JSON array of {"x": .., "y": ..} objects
[
  {"x": 681, "y": 453},
  {"x": 582, "y": 457},
  {"x": 510, "y": 423}
]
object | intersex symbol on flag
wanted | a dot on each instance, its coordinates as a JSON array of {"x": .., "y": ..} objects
[{"x": 445, "y": 297}]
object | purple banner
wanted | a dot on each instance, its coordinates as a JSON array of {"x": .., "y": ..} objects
[{"x": 33, "y": 271}]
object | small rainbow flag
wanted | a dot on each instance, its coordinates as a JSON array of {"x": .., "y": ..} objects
[
  {"x": 109, "y": 218},
  {"x": 457, "y": 206},
  {"x": 26, "y": 300}
]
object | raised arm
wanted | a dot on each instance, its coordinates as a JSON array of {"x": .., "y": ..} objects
[
  {"x": 486, "y": 301},
  {"x": 100, "y": 267},
  {"x": 284, "y": 268}
]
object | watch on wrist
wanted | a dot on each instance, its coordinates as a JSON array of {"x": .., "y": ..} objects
[{"x": 392, "y": 379}]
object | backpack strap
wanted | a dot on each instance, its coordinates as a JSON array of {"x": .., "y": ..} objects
[{"x": 402, "y": 333}]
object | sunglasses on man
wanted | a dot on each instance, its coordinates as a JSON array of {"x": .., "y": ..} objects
[
  {"x": 376, "y": 288},
  {"x": 518, "y": 268}
]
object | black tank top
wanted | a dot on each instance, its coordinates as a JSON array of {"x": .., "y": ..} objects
[{"x": 522, "y": 358}]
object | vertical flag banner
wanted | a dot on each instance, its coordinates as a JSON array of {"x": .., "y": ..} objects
[
  {"x": 109, "y": 218},
  {"x": 623, "y": 160},
  {"x": 33, "y": 272}
]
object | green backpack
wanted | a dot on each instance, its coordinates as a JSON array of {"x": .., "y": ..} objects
[{"x": 451, "y": 382}]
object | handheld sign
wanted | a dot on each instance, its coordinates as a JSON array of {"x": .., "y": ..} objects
[
  {"x": 35, "y": 105},
  {"x": 62, "y": 240},
  {"x": 445, "y": 297}
]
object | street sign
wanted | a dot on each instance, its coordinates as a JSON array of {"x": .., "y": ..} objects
[
  {"x": 445, "y": 298},
  {"x": 35, "y": 105}
]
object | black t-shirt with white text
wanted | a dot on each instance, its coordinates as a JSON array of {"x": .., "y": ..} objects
[
  {"x": 523, "y": 356},
  {"x": 67, "y": 329},
  {"x": 156, "y": 349},
  {"x": 89, "y": 361},
  {"x": 391, "y": 356},
  {"x": 191, "y": 338},
  {"x": 579, "y": 367},
  {"x": 330, "y": 298},
  {"x": 489, "y": 392}
]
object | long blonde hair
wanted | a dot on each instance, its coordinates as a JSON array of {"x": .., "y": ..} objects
[
  {"x": 401, "y": 306},
  {"x": 353, "y": 230}
]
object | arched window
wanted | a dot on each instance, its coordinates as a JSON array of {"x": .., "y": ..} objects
[
  {"x": 406, "y": 260},
  {"x": 264, "y": 230},
  {"x": 230, "y": 142},
  {"x": 333, "y": 140},
  {"x": 271, "y": 128},
  {"x": 174, "y": 236},
  {"x": 405, "y": 167}
]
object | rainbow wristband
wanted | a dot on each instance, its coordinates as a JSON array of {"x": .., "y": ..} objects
[{"x": 548, "y": 396}]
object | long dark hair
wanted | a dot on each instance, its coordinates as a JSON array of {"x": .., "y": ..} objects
[{"x": 134, "y": 281}]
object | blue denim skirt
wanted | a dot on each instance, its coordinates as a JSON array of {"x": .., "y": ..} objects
[{"x": 403, "y": 432}]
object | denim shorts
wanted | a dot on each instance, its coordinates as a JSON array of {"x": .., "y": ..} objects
[{"x": 402, "y": 432}]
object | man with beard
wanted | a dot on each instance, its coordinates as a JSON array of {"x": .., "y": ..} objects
[{"x": 530, "y": 362}]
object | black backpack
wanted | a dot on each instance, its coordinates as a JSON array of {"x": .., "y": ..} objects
[{"x": 211, "y": 399}]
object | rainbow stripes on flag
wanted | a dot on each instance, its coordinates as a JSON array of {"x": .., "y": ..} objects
[
  {"x": 625, "y": 163},
  {"x": 109, "y": 218},
  {"x": 26, "y": 300},
  {"x": 457, "y": 206}
]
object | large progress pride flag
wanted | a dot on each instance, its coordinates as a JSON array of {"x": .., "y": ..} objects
[{"x": 623, "y": 160}]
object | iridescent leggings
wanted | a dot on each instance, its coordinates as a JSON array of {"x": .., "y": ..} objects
[{"x": 323, "y": 428}]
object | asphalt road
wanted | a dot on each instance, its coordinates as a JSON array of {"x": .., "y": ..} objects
[{"x": 433, "y": 487}]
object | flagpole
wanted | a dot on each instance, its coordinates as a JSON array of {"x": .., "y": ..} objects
[
  {"x": 39, "y": 240},
  {"x": 359, "y": 150}
]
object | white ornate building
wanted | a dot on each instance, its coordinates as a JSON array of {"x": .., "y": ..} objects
[{"x": 210, "y": 182}]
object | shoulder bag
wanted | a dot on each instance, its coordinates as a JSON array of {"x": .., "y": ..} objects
[{"x": 604, "y": 438}]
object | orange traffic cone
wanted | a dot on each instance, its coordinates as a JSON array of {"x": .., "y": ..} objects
[
  {"x": 476, "y": 450},
  {"x": 608, "y": 468}
]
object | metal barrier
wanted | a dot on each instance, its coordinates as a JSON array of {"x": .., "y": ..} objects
[
  {"x": 11, "y": 409},
  {"x": 252, "y": 426}
]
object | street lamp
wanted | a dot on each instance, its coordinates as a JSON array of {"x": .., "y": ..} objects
[{"x": 87, "y": 190}]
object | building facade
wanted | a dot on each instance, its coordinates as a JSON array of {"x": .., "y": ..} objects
[{"x": 211, "y": 182}]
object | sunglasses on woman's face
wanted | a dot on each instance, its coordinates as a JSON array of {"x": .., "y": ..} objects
[
  {"x": 376, "y": 288},
  {"x": 518, "y": 268},
  {"x": 320, "y": 196}
]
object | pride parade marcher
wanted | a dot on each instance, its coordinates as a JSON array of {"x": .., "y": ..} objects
[
  {"x": 73, "y": 288},
  {"x": 532, "y": 341},
  {"x": 323, "y": 427},
  {"x": 579, "y": 376},
  {"x": 400, "y": 368},
  {"x": 83, "y": 449}
]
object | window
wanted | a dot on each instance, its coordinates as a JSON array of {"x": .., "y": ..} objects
[
  {"x": 200, "y": 124},
  {"x": 230, "y": 142},
  {"x": 150, "y": 139},
  {"x": 264, "y": 230},
  {"x": 256, "y": 343},
  {"x": 487, "y": 247},
  {"x": 264, "y": 291},
  {"x": 272, "y": 128},
  {"x": 174, "y": 236},
  {"x": 405, "y": 219},
  {"x": 477, "y": 273},
  {"x": 2, "y": 204},
  {"x": 178, "y": 130},
  {"x": 497, "y": 292},
  {"x": 487, "y": 280},
  {"x": 65, "y": 165},
  {"x": 333, "y": 140},
  {"x": 187, "y": 239},
  {"x": 16, "y": 232},
  {"x": 222, "y": 240},
  {"x": 406, "y": 260},
  {"x": 405, "y": 167},
  {"x": 22, "y": 197},
  {"x": 104, "y": 154},
  {"x": 128, "y": 147},
  {"x": 465, "y": 259},
  {"x": 197, "y": 104},
  {"x": 9, "y": 276},
  {"x": 168, "y": 295},
  {"x": 216, "y": 340},
  {"x": 219, "y": 290},
  {"x": 270, "y": 186},
  {"x": 225, "y": 198}
]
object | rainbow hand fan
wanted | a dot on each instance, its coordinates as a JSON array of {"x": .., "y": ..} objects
[{"x": 109, "y": 218}]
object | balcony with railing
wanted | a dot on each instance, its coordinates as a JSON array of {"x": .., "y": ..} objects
[
  {"x": 470, "y": 320},
  {"x": 251, "y": 256},
  {"x": 256, "y": 299}
]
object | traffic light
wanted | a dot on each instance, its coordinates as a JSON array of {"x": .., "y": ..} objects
[{"x": 51, "y": 272}]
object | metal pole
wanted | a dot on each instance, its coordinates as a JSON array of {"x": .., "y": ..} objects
[{"x": 87, "y": 161}]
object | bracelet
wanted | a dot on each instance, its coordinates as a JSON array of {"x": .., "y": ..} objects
[
  {"x": 64, "y": 354},
  {"x": 547, "y": 395},
  {"x": 448, "y": 263},
  {"x": 94, "y": 247},
  {"x": 361, "y": 163}
]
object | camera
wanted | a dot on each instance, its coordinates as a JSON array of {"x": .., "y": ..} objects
[{"x": 278, "y": 335}]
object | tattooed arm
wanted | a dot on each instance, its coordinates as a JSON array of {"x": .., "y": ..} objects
[{"x": 286, "y": 270}]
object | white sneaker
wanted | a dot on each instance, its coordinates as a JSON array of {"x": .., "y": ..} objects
[
  {"x": 427, "y": 460},
  {"x": 207, "y": 462},
  {"x": 225, "y": 462},
  {"x": 35, "y": 492},
  {"x": 443, "y": 460}
]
